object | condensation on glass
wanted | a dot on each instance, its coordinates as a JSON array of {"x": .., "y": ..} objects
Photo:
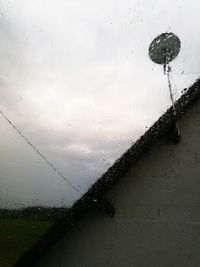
[{"x": 77, "y": 88}]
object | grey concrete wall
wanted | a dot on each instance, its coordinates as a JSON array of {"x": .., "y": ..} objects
[{"x": 157, "y": 221}]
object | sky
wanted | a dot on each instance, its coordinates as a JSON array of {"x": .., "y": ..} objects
[{"x": 76, "y": 79}]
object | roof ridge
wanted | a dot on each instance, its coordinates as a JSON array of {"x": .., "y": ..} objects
[
  {"x": 110, "y": 177},
  {"x": 133, "y": 153}
]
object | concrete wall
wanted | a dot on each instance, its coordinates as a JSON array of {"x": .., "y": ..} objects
[{"x": 157, "y": 221}]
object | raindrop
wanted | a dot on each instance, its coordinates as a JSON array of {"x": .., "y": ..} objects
[{"x": 184, "y": 90}]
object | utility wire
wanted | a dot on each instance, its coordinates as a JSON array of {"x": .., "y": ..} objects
[{"x": 51, "y": 165}]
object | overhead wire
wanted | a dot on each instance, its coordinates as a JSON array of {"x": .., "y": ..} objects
[{"x": 50, "y": 164}]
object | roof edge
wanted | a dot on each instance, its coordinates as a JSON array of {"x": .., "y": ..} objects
[{"x": 111, "y": 176}]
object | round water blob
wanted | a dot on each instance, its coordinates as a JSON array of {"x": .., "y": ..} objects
[{"x": 164, "y": 48}]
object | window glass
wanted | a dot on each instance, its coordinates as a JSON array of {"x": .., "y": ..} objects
[{"x": 77, "y": 88}]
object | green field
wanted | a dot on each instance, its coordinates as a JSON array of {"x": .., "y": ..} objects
[{"x": 17, "y": 236}]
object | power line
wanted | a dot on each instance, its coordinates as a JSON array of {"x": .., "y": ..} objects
[{"x": 51, "y": 165}]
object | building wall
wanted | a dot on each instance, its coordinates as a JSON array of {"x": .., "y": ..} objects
[{"x": 157, "y": 221}]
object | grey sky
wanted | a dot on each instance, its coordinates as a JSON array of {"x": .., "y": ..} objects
[{"x": 75, "y": 77}]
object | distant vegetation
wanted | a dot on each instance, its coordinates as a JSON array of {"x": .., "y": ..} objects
[
  {"x": 34, "y": 213},
  {"x": 17, "y": 236},
  {"x": 21, "y": 228}
]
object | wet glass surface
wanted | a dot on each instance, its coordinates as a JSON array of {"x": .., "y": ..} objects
[{"x": 76, "y": 80}]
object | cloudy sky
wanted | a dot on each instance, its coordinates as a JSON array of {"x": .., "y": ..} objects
[{"x": 76, "y": 79}]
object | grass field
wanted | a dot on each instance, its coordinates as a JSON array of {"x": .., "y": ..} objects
[{"x": 17, "y": 236}]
